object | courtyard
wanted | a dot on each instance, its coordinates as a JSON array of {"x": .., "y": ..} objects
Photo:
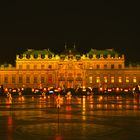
[{"x": 95, "y": 117}]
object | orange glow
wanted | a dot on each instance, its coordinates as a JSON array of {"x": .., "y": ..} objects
[
  {"x": 126, "y": 90},
  {"x": 100, "y": 98},
  {"x": 59, "y": 89},
  {"x": 101, "y": 89},
  {"x": 69, "y": 73},
  {"x": 58, "y": 137},
  {"x": 45, "y": 89},
  {"x": 6, "y": 90},
  {"x": 109, "y": 90},
  {"x": 32, "y": 89},
  {"x": 117, "y": 89}
]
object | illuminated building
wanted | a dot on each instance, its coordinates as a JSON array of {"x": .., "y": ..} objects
[{"x": 43, "y": 68}]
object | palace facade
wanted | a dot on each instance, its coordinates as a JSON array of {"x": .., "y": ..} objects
[{"x": 43, "y": 68}]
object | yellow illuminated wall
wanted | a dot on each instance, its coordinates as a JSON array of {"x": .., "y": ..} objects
[{"x": 97, "y": 68}]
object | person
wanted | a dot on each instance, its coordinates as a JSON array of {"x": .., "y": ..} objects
[
  {"x": 136, "y": 91},
  {"x": 58, "y": 101}
]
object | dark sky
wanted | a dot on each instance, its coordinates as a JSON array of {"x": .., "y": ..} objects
[{"x": 98, "y": 24}]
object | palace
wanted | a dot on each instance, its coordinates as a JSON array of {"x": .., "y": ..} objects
[{"x": 43, "y": 68}]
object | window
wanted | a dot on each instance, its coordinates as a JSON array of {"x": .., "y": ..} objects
[
  {"x": 80, "y": 65},
  {"x": 50, "y": 66},
  {"x": 79, "y": 75},
  {"x": 42, "y": 56},
  {"x": 105, "y": 79},
  {"x": 90, "y": 56},
  {"x": 62, "y": 57},
  {"x": 127, "y": 79},
  {"x": 105, "y": 66},
  {"x": 13, "y": 79},
  {"x": 42, "y": 66},
  {"x": 59, "y": 65},
  {"x": 49, "y": 56},
  {"x": 50, "y": 78},
  {"x": 119, "y": 66},
  {"x": 90, "y": 79},
  {"x": 98, "y": 66},
  {"x": 112, "y": 66},
  {"x": 20, "y": 79},
  {"x": 27, "y": 79},
  {"x": 70, "y": 57},
  {"x": 90, "y": 67},
  {"x": 70, "y": 74},
  {"x": 20, "y": 66},
  {"x": 120, "y": 79},
  {"x": 112, "y": 79},
  {"x": 61, "y": 74},
  {"x": 27, "y": 67},
  {"x": 28, "y": 56},
  {"x": 134, "y": 80},
  {"x": 35, "y": 67},
  {"x": 35, "y": 56},
  {"x": 78, "y": 57},
  {"x": 42, "y": 79},
  {"x": 98, "y": 79},
  {"x": 6, "y": 79},
  {"x": 35, "y": 80}
]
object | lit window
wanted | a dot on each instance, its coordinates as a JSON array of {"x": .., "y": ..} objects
[
  {"x": 112, "y": 79},
  {"x": 90, "y": 79},
  {"x": 105, "y": 79},
  {"x": 127, "y": 79},
  {"x": 120, "y": 79},
  {"x": 97, "y": 79},
  {"x": 134, "y": 80},
  {"x": 90, "y": 67}
]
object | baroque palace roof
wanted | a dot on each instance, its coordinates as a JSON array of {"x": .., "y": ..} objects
[
  {"x": 104, "y": 52},
  {"x": 36, "y": 52},
  {"x": 71, "y": 51},
  {"x": 67, "y": 53}
]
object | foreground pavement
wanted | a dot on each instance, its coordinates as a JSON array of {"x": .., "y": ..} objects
[{"x": 78, "y": 118}]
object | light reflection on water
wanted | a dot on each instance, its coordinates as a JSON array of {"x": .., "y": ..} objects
[
  {"x": 86, "y": 102},
  {"x": 43, "y": 112}
]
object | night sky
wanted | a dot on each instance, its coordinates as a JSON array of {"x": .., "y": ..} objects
[{"x": 97, "y": 24}]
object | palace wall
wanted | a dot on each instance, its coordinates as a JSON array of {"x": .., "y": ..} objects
[{"x": 37, "y": 69}]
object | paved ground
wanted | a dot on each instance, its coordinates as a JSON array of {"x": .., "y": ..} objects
[{"x": 81, "y": 118}]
